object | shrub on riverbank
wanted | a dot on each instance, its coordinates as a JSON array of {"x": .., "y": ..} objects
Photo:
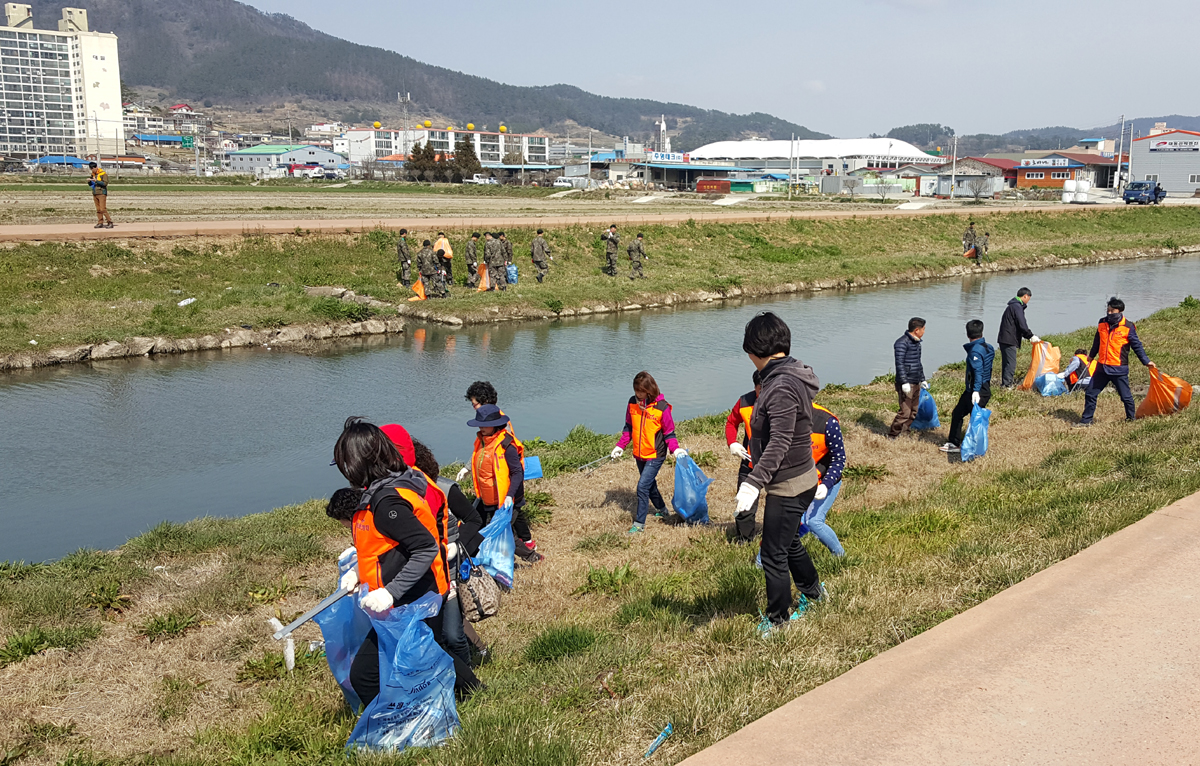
[
  {"x": 612, "y": 636},
  {"x": 66, "y": 294}
]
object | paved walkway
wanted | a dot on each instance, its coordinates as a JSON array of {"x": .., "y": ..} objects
[
  {"x": 168, "y": 229},
  {"x": 1095, "y": 660}
]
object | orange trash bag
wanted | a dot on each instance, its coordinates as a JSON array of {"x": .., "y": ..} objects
[
  {"x": 1167, "y": 396},
  {"x": 418, "y": 288},
  {"x": 485, "y": 283},
  {"x": 1045, "y": 360}
]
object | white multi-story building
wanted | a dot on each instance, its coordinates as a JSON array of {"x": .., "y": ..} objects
[
  {"x": 366, "y": 144},
  {"x": 61, "y": 89},
  {"x": 141, "y": 120}
]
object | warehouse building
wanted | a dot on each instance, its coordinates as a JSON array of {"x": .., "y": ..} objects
[
  {"x": 258, "y": 158},
  {"x": 830, "y": 156},
  {"x": 1171, "y": 158},
  {"x": 1056, "y": 168}
]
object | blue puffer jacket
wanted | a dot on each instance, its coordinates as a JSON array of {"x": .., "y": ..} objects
[
  {"x": 979, "y": 363},
  {"x": 908, "y": 360}
]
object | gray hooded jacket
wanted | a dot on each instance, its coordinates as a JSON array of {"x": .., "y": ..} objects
[{"x": 781, "y": 445}]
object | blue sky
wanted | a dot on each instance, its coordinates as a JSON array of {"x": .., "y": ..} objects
[{"x": 848, "y": 68}]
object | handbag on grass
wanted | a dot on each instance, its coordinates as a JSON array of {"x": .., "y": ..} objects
[{"x": 478, "y": 594}]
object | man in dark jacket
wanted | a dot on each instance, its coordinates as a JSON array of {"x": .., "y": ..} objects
[
  {"x": 910, "y": 376},
  {"x": 980, "y": 357},
  {"x": 1115, "y": 335},
  {"x": 1012, "y": 329},
  {"x": 781, "y": 453}
]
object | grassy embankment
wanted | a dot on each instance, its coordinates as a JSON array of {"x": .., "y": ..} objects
[
  {"x": 64, "y": 294},
  {"x": 165, "y": 656}
]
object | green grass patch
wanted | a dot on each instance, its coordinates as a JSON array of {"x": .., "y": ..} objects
[
  {"x": 19, "y": 646},
  {"x": 560, "y": 641},
  {"x": 603, "y": 541},
  {"x": 163, "y": 627},
  {"x": 607, "y": 581}
]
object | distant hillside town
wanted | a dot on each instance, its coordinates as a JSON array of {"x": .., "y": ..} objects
[{"x": 65, "y": 107}]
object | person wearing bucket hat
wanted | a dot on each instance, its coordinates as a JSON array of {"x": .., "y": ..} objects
[{"x": 498, "y": 473}]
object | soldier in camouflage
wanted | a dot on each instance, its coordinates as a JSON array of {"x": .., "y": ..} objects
[
  {"x": 493, "y": 256},
  {"x": 429, "y": 265},
  {"x": 636, "y": 254},
  {"x": 405, "y": 274},
  {"x": 969, "y": 237},
  {"x": 540, "y": 251},
  {"x": 473, "y": 261},
  {"x": 508, "y": 251},
  {"x": 612, "y": 244}
]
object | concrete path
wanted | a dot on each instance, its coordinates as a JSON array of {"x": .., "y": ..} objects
[
  {"x": 169, "y": 229},
  {"x": 1095, "y": 660}
]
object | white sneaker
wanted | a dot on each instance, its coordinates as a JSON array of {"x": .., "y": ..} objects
[{"x": 948, "y": 447}]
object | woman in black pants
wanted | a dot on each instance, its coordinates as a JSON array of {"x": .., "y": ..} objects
[
  {"x": 781, "y": 452},
  {"x": 396, "y": 539}
]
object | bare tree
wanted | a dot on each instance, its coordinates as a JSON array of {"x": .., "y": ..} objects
[
  {"x": 979, "y": 186},
  {"x": 881, "y": 187},
  {"x": 850, "y": 184}
]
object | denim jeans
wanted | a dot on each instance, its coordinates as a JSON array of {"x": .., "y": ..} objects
[
  {"x": 647, "y": 489},
  {"x": 814, "y": 519}
]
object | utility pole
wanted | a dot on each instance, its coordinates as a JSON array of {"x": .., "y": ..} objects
[
  {"x": 791, "y": 164},
  {"x": 1131, "y": 136},
  {"x": 953, "y": 165},
  {"x": 404, "y": 99},
  {"x": 1120, "y": 154}
]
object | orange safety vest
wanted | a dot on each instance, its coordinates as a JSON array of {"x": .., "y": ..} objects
[
  {"x": 820, "y": 450},
  {"x": 1084, "y": 364},
  {"x": 1113, "y": 343},
  {"x": 438, "y": 504},
  {"x": 500, "y": 476},
  {"x": 645, "y": 425},
  {"x": 745, "y": 411},
  {"x": 370, "y": 544}
]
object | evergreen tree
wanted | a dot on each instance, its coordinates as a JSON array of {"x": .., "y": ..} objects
[{"x": 466, "y": 162}]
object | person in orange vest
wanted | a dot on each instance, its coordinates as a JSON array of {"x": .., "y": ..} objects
[
  {"x": 498, "y": 474},
  {"x": 396, "y": 538},
  {"x": 445, "y": 254},
  {"x": 650, "y": 432},
  {"x": 743, "y": 409},
  {"x": 1079, "y": 372},
  {"x": 1115, "y": 335}
]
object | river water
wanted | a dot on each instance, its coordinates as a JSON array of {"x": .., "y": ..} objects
[{"x": 91, "y": 455}]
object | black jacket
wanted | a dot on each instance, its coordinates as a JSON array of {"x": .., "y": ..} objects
[
  {"x": 405, "y": 569},
  {"x": 781, "y": 445},
  {"x": 1012, "y": 325},
  {"x": 908, "y": 360}
]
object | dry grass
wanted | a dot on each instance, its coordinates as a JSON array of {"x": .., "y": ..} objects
[{"x": 927, "y": 538}]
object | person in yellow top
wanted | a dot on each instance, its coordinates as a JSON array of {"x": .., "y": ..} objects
[
  {"x": 99, "y": 184},
  {"x": 446, "y": 254},
  {"x": 498, "y": 474}
]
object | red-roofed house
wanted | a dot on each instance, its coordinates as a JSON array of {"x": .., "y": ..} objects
[
  {"x": 1053, "y": 170},
  {"x": 182, "y": 109}
]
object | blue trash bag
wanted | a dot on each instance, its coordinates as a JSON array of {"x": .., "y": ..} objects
[
  {"x": 415, "y": 706},
  {"x": 498, "y": 548},
  {"x": 975, "y": 442},
  {"x": 1050, "y": 384},
  {"x": 511, "y": 273},
  {"x": 927, "y": 414},
  {"x": 533, "y": 467},
  {"x": 691, "y": 491},
  {"x": 344, "y": 626}
]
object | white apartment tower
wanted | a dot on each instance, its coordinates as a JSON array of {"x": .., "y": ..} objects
[{"x": 61, "y": 88}]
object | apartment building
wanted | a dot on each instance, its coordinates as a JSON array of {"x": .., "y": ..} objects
[
  {"x": 491, "y": 147},
  {"x": 60, "y": 89}
]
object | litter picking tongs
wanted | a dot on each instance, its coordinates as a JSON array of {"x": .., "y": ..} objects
[
  {"x": 283, "y": 632},
  {"x": 592, "y": 466}
]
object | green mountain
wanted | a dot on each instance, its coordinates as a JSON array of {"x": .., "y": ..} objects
[{"x": 228, "y": 52}]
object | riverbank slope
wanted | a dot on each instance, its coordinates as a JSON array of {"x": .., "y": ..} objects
[
  {"x": 66, "y": 296},
  {"x": 159, "y": 652}
]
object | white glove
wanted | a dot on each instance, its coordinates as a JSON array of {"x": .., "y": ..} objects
[
  {"x": 462, "y": 474},
  {"x": 746, "y": 496},
  {"x": 349, "y": 581},
  {"x": 1035, "y": 339},
  {"x": 346, "y": 554},
  {"x": 508, "y": 504},
  {"x": 906, "y": 388},
  {"x": 377, "y": 601},
  {"x": 974, "y": 397},
  {"x": 451, "y": 551},
  {"x": 616, "y": 453},
  {"x": 1062, "y": 375},
  {"x": 822, "y": 491},
  {"x": 680, "y": 453},
  {"x": 925, "y": 384},
  {"x": 738, "y": 451}
]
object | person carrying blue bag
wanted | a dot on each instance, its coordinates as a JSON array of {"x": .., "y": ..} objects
[
  {"x": 691, "y": 491},
  {"x": 910, "y": 376},
  {"x": 397, "y": 543},
  {"x": 978, "y": 391},
  {"x": 927, "y": 413},
  {"x": 498, "y": 472},
  {"x": 650, "y": 432}
]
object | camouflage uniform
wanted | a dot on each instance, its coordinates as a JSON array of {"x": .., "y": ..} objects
[
  {"x": 539, "y": 251},
  {"x": 472, "y": 263},
  {"x": 431, "y": 273},
  {"x": 968, "y": 239},
  {"x": 405, "y": 261},
  {"x": 612, "y": 244},
  {"x": 636, "y": 254},
  {"x": 493, "y": 256},
  {"x": 507, "y": 249}
]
